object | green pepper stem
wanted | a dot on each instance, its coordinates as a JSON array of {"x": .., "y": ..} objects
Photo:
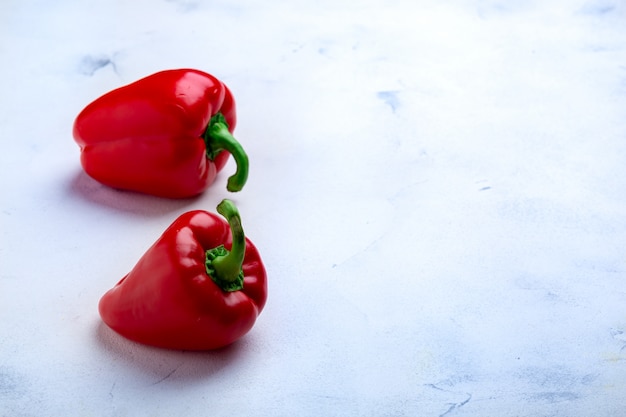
[
  {"x": 224, "y": 266},
  {"x": 218, "y": 138}
]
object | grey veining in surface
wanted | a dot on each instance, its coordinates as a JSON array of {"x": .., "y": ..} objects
[{"x": 437, "y": 189}]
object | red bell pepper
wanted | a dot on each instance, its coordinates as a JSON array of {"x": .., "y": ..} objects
[
  {"x": 167, "y": 134},
  {"x": 200, "y": 286}
]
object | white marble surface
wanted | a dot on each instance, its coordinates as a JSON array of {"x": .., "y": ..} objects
[{"x": 437, "y": 189}]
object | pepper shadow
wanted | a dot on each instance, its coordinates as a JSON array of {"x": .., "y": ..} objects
[
  {"x": 157, "y": 366},
  {"x": 95, "y": 193}
]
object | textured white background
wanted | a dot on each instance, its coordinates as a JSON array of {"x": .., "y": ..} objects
[{"x": 437, "y": 188}]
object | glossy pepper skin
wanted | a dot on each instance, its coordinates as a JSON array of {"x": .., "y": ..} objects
[
  {"x": 167, "y": 134},
  {"x": 198, "y": 287}
]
